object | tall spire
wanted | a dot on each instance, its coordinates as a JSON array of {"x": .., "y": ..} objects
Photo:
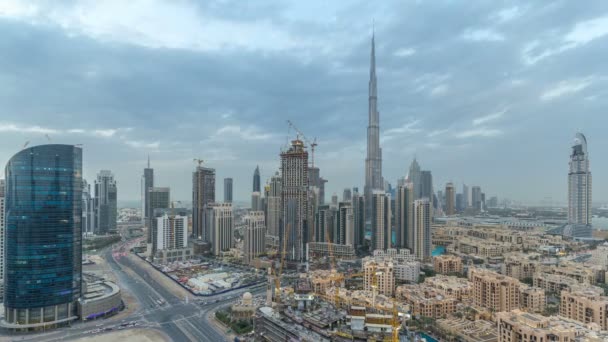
[{"x": 148, "y": 161}]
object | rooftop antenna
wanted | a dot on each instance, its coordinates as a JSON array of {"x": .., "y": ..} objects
[
  {"x": 26, "y": 143},
  {"x": 148, "y": 161}
]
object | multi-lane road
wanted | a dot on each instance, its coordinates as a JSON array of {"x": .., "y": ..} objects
[{"x": 159, "y": 308}]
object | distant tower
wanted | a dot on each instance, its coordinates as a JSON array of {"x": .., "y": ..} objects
[
  {"x": 358, "y": 201},
  {"x": 579, "y": 183},
  {"x": 220, "y": 223},
  {"x": 404, "y": 216},
  {"x": 228, "y": 190},
  {"x": 256, "y": 179},
  {"x": 414, "y": 176},
  {"x": 345, "y": 224},
  {"x": 274, "y": 206},
  {"x": 294, "y": 200},
  {"x": 347, "y": 195},
  {"x": 158, "y": 198},
  {"x": 106, "y": 206},
  {"x": 373, "y": 162},
  {"x": 88, "y": 209},
  {"x": 422, "y": 229},
  {"x": 254, "y": 236},
  {"x": 466, "y": 199},
  {"x": 2, "y": 187},
  {"x": 476, "y": 198},
  {"x": 147, "y": 182},
  {"x": 203, "y": 193},
  {"x": 450, "y": 199},
  {"x": 381, "y": 220}
]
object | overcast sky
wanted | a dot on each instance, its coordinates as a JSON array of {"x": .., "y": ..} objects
[{"x": 489, "y": 93}]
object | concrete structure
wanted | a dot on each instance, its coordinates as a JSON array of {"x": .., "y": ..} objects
[
  {"x": 579, "y": 183},
  {"x": 518, "y": 326},
  {"x": 381, "y": 220},
  {"x": 426, "y": 302},
  {"x": 405, "y": 266},
  {"x": 585, "y": 306},
  {"x": 447, "y": 264},
  {"x": 220, "y": 221},
  {"x": 254, "y": 236},
  {"x": 345, "y": 224},
  {"x": 384, "y": 275},
  {"x": 422, "y": 229},
  {"x": 228, "y": 191},
  {"x": 469, "y": 331},
  {"x": 2, "y": 189},
  {"x": 520, "y": 266},
  {"x": 147, "y": 182},
  {"x": 450, "y": 199},
  {"x": 451, "y": 286},
  {"x": 43, "y": 257},
  {"x": 88, "y": 209},
  {"x": 203, "y": 193},
  {"x": 157, "y": 198},
  {"x": 165, "y": 256},
  {"x": 322, "y": 249},
  {"x": 101, "y": 298},
  {"x": 105, "y": 203},
  {"x": 273, "y": 201},
  {"x": 172, "y": 232},
  {"x": 373, "y": 162},
  {"x": 404, "y": 216},
  {"x": 294, "y": 200}
]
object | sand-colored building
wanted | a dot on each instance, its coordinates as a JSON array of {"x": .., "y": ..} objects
[
  {"x": 447, "y": 264},
  {"x": 498, "y": 292},
  {"x": 585, "y": 306}
]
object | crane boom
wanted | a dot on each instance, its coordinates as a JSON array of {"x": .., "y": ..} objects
[{"x": 313, "y": 144}]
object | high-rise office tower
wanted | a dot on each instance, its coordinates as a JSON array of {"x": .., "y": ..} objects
[
  {"x": 381, "y": 220},
  {"x": 228, "y": 190},
  {"x": 157, "y": 198},
  {"x": 203, "y": 193},
  {"x": 426, "y": 185},
  {"x": 373, "y": 162},
  {"x": 334, "y": 200},
  {"x": 256, "y": 180},
  {"x": 147, "y": 182},
  {"x": 476, "y": 197},
  {"x": 345, "y": 224},
  {"x": 254, "y": 236},
  {"x": 313, "y": 206},
  {"x": 323, "y": 224},
  {"x": 88, "y": 209},
  {"x": 43, "y": 264},
  {"x": 414, "y": 176},
  {"x": 459, "y": 202},
  {"x": 294, "y": 200},
  {"x": 256, "y": 201},
  {"x": 2, "y": 189},
  {"x": 172, "y": 231},
  {"x": 359, "y": 218},
  {"x": 466, "y": 201},
  {"x": 273, "y": 201},
  {"x": 579, "y": 183},
  {"x": 315, "y": 180},
  {"x": 404, "y": 216},
  {"x": 220, "y": 221},
  {"x": 347, "y": 195},
  {"x": 422, "y": 229},
  {"x": 450, "y": 199},
  {"x": 106, "y": 210}
]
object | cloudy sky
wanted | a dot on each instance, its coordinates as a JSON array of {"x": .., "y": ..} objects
[{"x": 483, "y": 92}]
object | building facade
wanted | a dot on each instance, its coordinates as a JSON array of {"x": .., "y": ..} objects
[
  {"x": 43, "y": 256},
  {"x": 404, "y": 216},
  {"x": 294, "y": 200},
  {"x": 254, "y": 240},
  {"x": 106, "y": 205},
  {"x": 203, "y": 193},
  {"x": 381, "y": 220},
  {"x": 157, "y": 198},
  {"x": 220, "y": 220},
  {"x": 450, "y": 199},
  {"x": 422, "y": 229},
  {"x": 579, "y": 183},
  {"x": 256, "y": 180},
  {"x": 147, "y": 182},
  {"x": 172, "y": 232},
  {"x": 228, "y": 190}
]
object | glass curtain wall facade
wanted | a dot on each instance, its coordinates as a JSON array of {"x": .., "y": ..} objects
[{"x": 43, "y": 236}]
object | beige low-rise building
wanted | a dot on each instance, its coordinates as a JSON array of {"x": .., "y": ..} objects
[
  {"x": 380, "y": 274},
  {"x": 450, "y": 286},
  {"x": 519, "y": 326},
  {"x": 520, "y": 266},
  {"x": 585, "y": 306},
  {"x": 425, "y": 301},
  {"x": 469, "y": 331},
  {"x": 447, "y": 264},
  {"x": 498, "y": 292}
]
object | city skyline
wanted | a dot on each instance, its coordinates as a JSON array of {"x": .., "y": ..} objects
[{"x": 465, "y": 119}]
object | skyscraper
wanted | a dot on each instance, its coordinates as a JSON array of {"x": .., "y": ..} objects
[
  {"x": 381, "y": 220},
  {"x": 345, "y": 224},
  {"x": 274, "y": 206},
  {"x": 476, "y": 197},
  {"x": 579, "y": 183},
  {"x": 43, "y": 236},
  {"x": 414, "y": 176},
  {"x": 147, "y": 182},
  {"x": 203, "y": 193},
  {"x": 254, "y": 236},
  {"x": 426, "y": 185},
  {"x": 2, "y": 189},
  {"x": 172, "y": 231},
  {"x": 450, "y": 199},
  {"x": 158, "y": 198},
  {"x": 256, "y": 180},
  {"x": 404, "y": 216},
  {"x": 422, "y": 229},
  {"x": 347, "y": 195},
  {"x": 88, "y": 209},
  {"x": 220, "y": 222},
  {"x": 106, "y": 205},
  {"x": 256, "y": 201},
  {"x": 466, "y": 200},
  {"x": 359, "y": 218},
  {"x": 294, "y": 200},
  {"x": 373, "y": 162},
  {"x": 228, "y": 190},
  {"x": 323, "y": 224},
  {"x": 460, "y": 202}
]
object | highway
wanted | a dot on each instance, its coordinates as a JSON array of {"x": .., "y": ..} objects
[{"x": 178, "y": 319}]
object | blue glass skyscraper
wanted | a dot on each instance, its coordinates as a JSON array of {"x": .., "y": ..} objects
[{"x": 43, "y": 252}]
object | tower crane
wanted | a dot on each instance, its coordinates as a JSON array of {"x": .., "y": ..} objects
[
  {"x": 312, "y": 144},
  {"x": 199, "y": 161}
]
